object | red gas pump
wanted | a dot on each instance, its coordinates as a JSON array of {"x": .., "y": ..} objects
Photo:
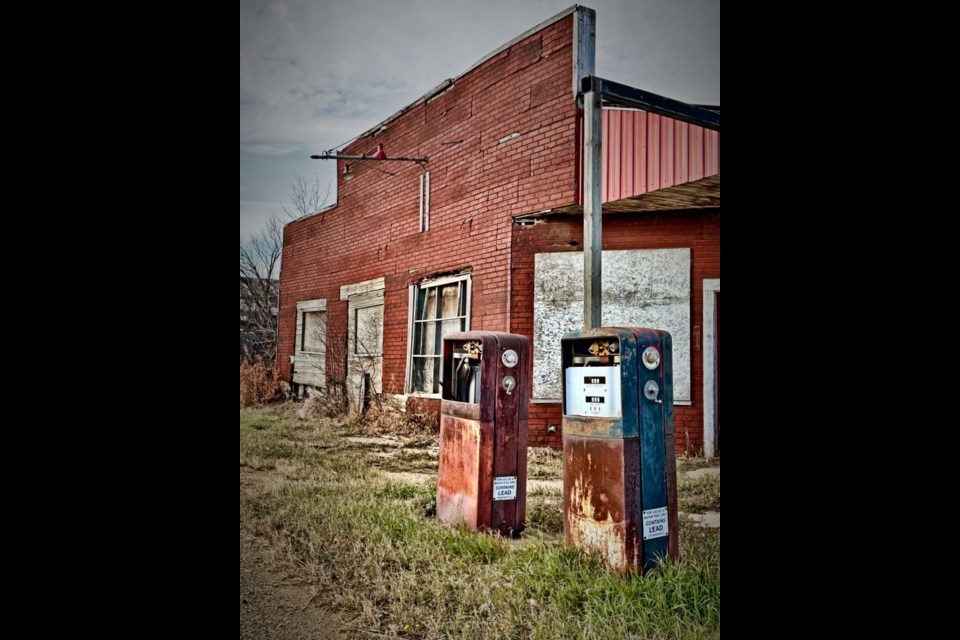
[{"x": 482, "y": 479}]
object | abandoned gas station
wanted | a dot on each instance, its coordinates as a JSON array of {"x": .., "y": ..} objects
[{"x": 513, "y": 181}]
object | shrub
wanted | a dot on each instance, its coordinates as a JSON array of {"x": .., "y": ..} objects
[
  {"x": 259, "y": 382},
  {"x": 387, "y": 418}
]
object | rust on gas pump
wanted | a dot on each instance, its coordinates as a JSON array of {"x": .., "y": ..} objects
[{"x": 595, "y": 497}]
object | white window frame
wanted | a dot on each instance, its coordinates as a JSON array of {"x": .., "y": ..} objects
[
  {"x": 412, "y": 306},
  {"x": 365, "y": 302},
  {"x": 359, "y": 295},
  {"x": 308, "y": 306}
]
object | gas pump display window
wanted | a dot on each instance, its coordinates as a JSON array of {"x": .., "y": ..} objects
[
  {"x": 593, "y": 391},
  {"x": 593, "y": 381},
  {"x": 466, "y": 371}
]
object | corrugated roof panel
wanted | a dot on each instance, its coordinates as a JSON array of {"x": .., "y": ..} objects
[{"x": 643, "y": 152}]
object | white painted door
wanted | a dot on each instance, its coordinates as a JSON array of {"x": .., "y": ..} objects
[{"x": 365, "y": 349}]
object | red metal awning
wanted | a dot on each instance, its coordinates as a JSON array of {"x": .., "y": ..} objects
[{"x": 645, "y": 153}]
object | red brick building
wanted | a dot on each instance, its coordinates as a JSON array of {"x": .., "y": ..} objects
[{"x": 487, "y": 234}]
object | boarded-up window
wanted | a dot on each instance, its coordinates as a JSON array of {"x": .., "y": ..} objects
[
  {"x": 313, "y": 338},
  {"x": 439, "y": 309},
  {"x": 641, "y": 288},
  {"x": 368, "y": 331}
]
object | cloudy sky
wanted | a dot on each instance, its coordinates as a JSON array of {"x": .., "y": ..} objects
[{"x": 315, "y": 73}]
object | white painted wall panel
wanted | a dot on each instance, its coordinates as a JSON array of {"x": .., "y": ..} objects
[{"x": 641, "y": 288}]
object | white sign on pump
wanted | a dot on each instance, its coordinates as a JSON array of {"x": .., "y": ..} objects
[
  {"x": 655, "y": 523},
  {"x": 505, "y": 488}
]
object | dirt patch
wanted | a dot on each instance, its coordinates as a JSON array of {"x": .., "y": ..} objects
[
  {"x": 278, "y": 605},
  {"x": 545, "y": 485},
  {"x": 408, "y": 452}
]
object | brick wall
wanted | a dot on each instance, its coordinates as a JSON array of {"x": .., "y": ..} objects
[
  {"x": 477, "y": 184},
  {"x": 698, "y": 230}
]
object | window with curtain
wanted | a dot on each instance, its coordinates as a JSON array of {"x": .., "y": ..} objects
[{"x": 439, "y": 309}]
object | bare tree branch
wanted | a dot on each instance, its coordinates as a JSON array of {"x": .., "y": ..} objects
[
  {"x": 305, "y": 197},
  {"x": 259, "y": 262},
  {"x": 259, "y": 290}
]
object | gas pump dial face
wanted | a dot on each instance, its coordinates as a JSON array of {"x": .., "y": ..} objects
[
  {"x": 651, "y": 358},
  {"x": 651, "y": 390},
  {"x": 510, "y": 358}
]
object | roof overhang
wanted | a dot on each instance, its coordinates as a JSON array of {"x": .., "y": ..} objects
[{"x": 614, "y": 94}]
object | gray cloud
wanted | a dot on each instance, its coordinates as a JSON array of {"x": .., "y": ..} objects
[{"x": 315, "y": 74}]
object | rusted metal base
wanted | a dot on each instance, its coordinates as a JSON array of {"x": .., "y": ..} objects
[
  {"x": 465, "y": 477},
  {"x": 465, "y": 472},
  {"x": 602, "y": 503}
]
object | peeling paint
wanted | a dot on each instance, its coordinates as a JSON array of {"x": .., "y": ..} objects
[
  {"x": 460, "y": 461},
  {"x": 607, "y": 539},
  {"x": 596, "y": 493}
]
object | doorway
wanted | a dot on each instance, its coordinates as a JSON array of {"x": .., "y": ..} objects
[{"x": 711, "y": 368}]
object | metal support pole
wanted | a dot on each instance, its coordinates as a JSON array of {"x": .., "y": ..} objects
[{"x": 592, "y": 209}]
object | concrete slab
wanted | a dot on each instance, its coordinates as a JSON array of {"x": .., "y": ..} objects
[
  {"x": 707, "y": 471},
  {"x": 384, "y": 442},
  {"x": 710, "y": 519},
  {"x": 554, "y": 486}
]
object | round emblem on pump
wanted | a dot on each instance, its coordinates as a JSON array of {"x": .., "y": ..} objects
[
  {"x": 509, "y": 384},
  {"x": 651, "y": 390},
  {"x": 651, "y": 358},
  {"x": 510, "y": 358}
]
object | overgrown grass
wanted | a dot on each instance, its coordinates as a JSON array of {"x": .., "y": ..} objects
[
  {"x": 545, "y": 512},
  {"x": 698, "y": 495},
  {"x": 416, "y": 461},
  {"x": 344, "y": 525},
  {"x": 544, "y": 462}
]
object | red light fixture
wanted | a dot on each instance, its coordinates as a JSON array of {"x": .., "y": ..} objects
[{"x": 379, "y": 154}]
